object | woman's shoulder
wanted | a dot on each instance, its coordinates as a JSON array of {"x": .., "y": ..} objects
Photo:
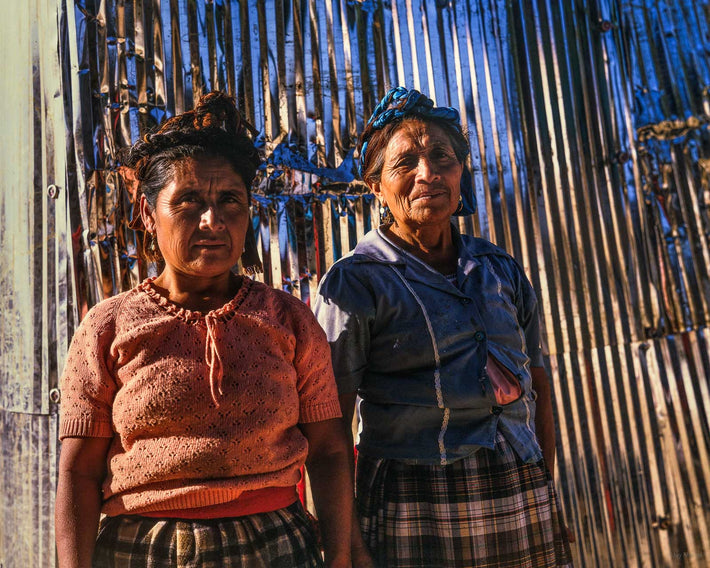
[
  {"x": 478, "y": 246},
  {"x": 264, "y": 295},
  {"x": 102, "y": 320},
  {"x": 117, "y": 308},
  {"x": 108, "y": 307},
  {"x": 352, "y": 273},
  {"x": 277, "y": 307},
  {"x": 497, "y": 256}
]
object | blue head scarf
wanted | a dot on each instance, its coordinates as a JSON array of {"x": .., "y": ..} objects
[{"x": 400, "y": 103}]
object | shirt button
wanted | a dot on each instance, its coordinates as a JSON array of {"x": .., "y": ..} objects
[
  {"x": 479, "y": 336},
  {"x": 496, "y": 410},
  {"x": 465, "y": 301}
]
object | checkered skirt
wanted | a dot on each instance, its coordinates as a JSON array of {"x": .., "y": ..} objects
[
  {"x": 489, "y": 509},
  {"x": 279, "y": 539}
]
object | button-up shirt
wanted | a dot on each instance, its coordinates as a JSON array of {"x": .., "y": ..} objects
[{"x": 413, "y": 346}]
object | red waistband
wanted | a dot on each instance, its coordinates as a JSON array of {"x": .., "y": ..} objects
[{"x": 248, "y": 503}]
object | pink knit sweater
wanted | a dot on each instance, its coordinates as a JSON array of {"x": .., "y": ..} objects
[{"x": 201, "y": 407}]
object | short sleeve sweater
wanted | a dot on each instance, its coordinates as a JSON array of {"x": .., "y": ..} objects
[{"x": 200, "y": 407}]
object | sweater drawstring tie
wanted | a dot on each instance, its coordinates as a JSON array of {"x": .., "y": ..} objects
[{"x": 213, "y": 358}]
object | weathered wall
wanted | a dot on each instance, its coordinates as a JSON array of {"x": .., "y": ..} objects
[
  {"x": 35, "y": 260},
  {"x": 588, "y": 122}
]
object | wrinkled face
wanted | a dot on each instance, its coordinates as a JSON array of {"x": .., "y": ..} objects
[
  {"x": 200, "y": 218},
  {"x": 421, "y": 176}
]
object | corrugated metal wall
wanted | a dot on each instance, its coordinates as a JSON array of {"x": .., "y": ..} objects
[
  {"x": 589, "y": 132},
  {"x": 35, "y": 280}
]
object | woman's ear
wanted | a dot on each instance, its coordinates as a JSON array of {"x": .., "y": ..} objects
[
  {"x": 147, "y": 215},
  {"x": 375, "y": 189}
]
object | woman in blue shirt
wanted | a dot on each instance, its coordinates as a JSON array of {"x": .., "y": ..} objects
[{"x": 438, "y": 335}]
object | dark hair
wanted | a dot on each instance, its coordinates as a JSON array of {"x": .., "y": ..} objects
[
  {"x": 214, "y": 129},
  {"x": 377, "y": 140}
]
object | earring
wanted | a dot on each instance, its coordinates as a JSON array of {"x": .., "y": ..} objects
[
  {"x": 385, "y": 214},
  {"x": 153, "y": 244},
  {"x": 460, "y": 207}
]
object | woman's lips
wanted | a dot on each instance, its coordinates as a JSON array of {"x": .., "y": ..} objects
[{"x": 428, "y": 195}]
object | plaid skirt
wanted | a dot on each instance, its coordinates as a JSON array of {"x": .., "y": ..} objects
[
  {"x": 489, "y": 509},
  {"x": 281, "y": 539}
]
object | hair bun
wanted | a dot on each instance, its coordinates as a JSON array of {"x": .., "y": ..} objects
[{"x": 217, "y": 110}]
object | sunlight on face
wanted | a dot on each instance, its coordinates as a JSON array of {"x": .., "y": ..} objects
[
  {"x": 200, "y": 218},
  {"x": 421, "y": 176}
]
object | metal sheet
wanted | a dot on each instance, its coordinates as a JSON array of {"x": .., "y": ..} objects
[
  {"x": 588, "y": 128},
  {"x": 34, "y": 203},
  {"x": 36, "y": 273},
  {"x": 28, "y": 459},
  {"x": 635, "y": 450},
  {"x": 588, "y": 124},
  {"x": 20, "y": 238}
]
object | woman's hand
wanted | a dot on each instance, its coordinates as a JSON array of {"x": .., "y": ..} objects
[
  {"x": 82, "y": 469},
  {"x": 331, "y": 484},
  {"x": 359, "y": 552},
  {"x": 544, "y": 418}
]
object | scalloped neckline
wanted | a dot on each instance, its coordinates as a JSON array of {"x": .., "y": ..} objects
[{"x": 224, "y": 313}]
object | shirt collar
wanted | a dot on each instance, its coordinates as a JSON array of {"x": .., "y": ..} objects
[
  {"x": 374, "y": 247},
  {"x": 468, "y": 254}
]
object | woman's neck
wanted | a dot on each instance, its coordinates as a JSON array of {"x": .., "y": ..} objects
[
  {"x": 433, "y": 245},
  {"x": 200, "y": 294}
]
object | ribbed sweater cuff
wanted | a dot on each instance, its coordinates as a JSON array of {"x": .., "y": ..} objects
[
  {"x": 320, "y": 412},
  {"x": 77, "y": 428}
]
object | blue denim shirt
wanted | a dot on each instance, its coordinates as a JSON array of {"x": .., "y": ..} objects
[{"x": 414, "y": 347}]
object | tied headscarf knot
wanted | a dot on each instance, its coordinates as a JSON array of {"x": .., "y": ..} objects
[
  {"x": 213, "y": 358},
  {"x": 400, "y": 103}
]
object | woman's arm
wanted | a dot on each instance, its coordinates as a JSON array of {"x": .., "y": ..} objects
[
  {"x": 544, "y": 417},
  {"x": 331, "y": 483},
  {"x": 82, "y": 469},
  {"x": 545, "y": 425},
  {"x": 359, "y": 551}
]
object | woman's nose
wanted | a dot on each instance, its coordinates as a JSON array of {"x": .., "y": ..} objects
[
  {"x": 211, "y": 218},
  {"x": 426, "y": 172}
]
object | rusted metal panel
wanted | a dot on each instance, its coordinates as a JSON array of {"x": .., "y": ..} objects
[
  {"x": 28, "y": 458},
  {"x": 19, "y": 239},
  {"x": 35, "y": 243},
  {"x": 36, "y": 276},
  {"x": 634, "y": 454}
]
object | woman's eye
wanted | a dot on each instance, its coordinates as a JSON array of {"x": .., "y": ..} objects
[
  {"x": 407, "y": 162},
  {"x": 189, "y": 198},
  {"x": 443, "y": 155},
  {"x": 231, "y": 199}
]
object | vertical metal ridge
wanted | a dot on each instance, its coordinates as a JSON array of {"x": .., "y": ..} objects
[
  {"x": 316, "y": 129},
  {"x": 280, "y": 35},
  {"x": 300, "y": 124},
  {"x": 332, "y": 88},
  {"x": 176, "y": 58}
]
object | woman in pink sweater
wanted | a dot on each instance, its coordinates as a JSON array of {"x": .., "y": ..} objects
[{"x": 190, "y": 403}]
